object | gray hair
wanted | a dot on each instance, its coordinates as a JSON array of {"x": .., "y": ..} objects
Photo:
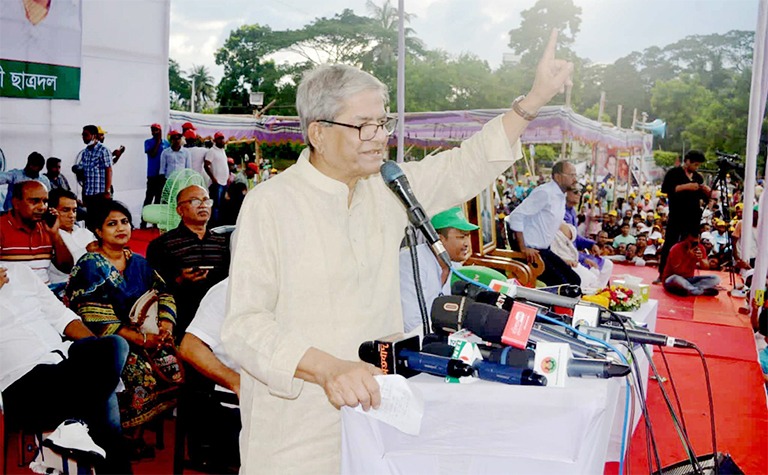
[{"x": 324, "y": 90}]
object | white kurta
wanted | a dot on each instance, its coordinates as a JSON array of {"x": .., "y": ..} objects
[{"x": 310, "y": 270}]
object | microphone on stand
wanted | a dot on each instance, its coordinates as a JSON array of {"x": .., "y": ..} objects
[{"x": 396, "y": 180}]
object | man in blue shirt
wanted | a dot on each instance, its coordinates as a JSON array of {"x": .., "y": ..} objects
[
  {"x": 31, "y": 171},
  {"x": 154, "y": 147},
  {"x": 96, "y": 163}
]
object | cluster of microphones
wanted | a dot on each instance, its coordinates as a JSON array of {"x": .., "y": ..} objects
[
  {"x": 487, "y": 317},
  {"x": 510, "y": 330}
]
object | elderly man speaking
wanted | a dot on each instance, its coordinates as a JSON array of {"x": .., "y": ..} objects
[{"x": 315, "y": 265}]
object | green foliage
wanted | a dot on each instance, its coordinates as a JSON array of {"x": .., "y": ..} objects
[
  {"x": 203, "y": 83},
  {"x": 665, "y": 159},
  {"x": 178, "y": 86},
  {"x": 545, "y": 153}
]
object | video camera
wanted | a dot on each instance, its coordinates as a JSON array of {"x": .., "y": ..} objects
[{"x": 729, "y": 162}]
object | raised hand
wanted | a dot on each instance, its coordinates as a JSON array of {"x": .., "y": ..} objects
[{"x": 552, "y": 76}]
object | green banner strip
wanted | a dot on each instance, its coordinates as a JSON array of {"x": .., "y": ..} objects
[{"x": 38, "y": 81}]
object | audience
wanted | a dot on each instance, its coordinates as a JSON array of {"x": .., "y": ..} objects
[
  {"x": 102, "y": 288},
  {"x": 31, "y": 171},
  {"x": 26, "y": 237},
  {"x": 190, "y": 259},
  {"x": 76, "y": 238},
  {"x": 54, "y": 369},
  {"x": 213, "y": 427}
]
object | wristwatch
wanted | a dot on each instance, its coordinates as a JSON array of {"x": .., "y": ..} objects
[{"x": 522, "y": 112}]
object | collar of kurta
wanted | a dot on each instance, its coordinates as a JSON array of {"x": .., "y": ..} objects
[{"x": 318, "y": 179}]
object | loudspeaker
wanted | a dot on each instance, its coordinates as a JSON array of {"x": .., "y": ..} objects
[{"x": 725, "y": 466}]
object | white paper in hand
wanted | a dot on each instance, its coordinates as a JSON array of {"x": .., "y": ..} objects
[{"x": 401, "y": 407}]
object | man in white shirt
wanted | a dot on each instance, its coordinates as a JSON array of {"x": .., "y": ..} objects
[
  {"x": 214, "y": 433},
  {"x": 216, "y": 167},
  {"x": 536, "y": 220},
  {"x": 45, "y": 380},
  {"x": 435, "y": 276},
  {"x": 75, "y": 238}
]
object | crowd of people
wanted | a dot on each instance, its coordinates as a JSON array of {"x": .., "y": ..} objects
[
  {"x": 312, "y": 272},
  {"x": 639, "y": 227}
]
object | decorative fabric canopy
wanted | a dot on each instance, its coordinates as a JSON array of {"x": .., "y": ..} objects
[{"x": 426, "y": 129}]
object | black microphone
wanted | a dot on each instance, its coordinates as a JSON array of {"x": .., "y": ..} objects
[
  {"x": 635, "y": 336},
  {"x": 515, "y": 292},
  {"x": 451, "y": 313},
  {"x": 397, "y": 182},
  {"x": 497, "y": 371},
  {"x": 397, "y": 354}
]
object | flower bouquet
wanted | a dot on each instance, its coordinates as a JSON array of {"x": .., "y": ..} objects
[{"x": 620, "y": 298}]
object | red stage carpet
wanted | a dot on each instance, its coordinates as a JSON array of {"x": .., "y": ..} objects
[{"x": 727, "y": 341}]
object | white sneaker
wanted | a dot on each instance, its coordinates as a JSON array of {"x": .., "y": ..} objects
[
  {"x": 72, "y": 435},
  {"x": 740, "y": 293}
]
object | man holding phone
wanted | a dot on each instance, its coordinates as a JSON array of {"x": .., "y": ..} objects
[
  {"x": 679, "y": 274},
  {"x": 190, "y": 258},
  {"x": 26, "y": 235}
]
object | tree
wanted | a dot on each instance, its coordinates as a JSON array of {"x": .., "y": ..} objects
[
  {"x": 203, "y": 81},
  {"x": 381, "y": 58},
  {"x": 246, "y": 67},
  {"x": 529, "y": 39},
  {"x": 341, "y": 39},
  {"x": 178, "y": 86}
]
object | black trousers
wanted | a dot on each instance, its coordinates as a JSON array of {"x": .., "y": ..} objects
[
  {"x": 556, "y": 271},
  {"x": 80, "y": 387}
]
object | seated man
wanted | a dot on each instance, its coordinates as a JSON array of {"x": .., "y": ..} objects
[
  {"x": 214, "y": 433},
  {"x": 453, "y": 230},
  {"x": 631, "y": 256},
  {"x": 45, "y": 380},
  {"x": 190, "y": 259},
  {"x": 75, "y": 238},
  {"x": 679, "y": 272},
  {"x": 535, "y": 222},
  {"x": 25, "y": 237},
  {"x": 624, "y": 238}
]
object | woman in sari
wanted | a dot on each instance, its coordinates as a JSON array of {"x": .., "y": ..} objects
[{"x": 103, "y": 287}]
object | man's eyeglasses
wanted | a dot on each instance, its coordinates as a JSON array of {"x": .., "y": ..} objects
[
  {"x": 195, "y": 202},
  {"x": 367, "y": 132}
]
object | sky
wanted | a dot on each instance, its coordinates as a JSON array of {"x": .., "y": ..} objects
[{"x": 610, "y": 29}]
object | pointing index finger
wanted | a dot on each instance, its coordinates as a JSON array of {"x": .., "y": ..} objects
[{"x": 549, "y": 51}]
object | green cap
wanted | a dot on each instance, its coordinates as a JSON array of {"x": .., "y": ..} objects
[{"x": 452, "y": 218}]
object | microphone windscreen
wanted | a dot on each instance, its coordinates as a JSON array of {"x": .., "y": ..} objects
[
  {"x": 390, "y": 171},
  {"x": 447, "y": 313},
  {"x": 486, "y": 321},
  {"x": 438, "y": 349},
  {"x": 367, "y": 352}
]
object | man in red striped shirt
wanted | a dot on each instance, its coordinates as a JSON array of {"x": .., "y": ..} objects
[{"x": 25, "y": 237}]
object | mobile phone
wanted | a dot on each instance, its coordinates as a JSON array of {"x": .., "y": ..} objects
[{"x": 49, "y": 218}]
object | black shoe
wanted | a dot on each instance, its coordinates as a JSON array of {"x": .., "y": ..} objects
[{"x": 710, "y": 292}]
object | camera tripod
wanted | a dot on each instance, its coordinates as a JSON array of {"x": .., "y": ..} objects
[{"x": 720, "y": 184}]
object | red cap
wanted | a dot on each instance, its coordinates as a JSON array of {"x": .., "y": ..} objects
[
  {"x": 173, "y": 132},
  {"x": 190, "y": 134},
  {"x": 218, "y": 134},
  {"x": 155, "y": 126},
  {"x": 187, "y": 125},
  {"x": 231, "y": 161},
  {"x": 253, "y": 166}
]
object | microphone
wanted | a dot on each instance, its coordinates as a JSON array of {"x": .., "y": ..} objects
[
  {"x": 525, "y": 359},
  {"x": 451, "y": 313},
  {"x": 515, "y": 291},
  {"x": 521, "y": 374},
  {"x": 396, "y": 180},
  {"x": 635, "y": 336},
  {"x": 397, "y": 354}
]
